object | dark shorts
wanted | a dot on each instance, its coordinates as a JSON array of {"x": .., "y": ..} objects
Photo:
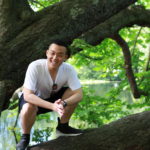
[{"x": 52, "y": 99}]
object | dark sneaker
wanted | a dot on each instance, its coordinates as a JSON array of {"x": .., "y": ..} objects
[
  {"x": 23, "y": 144},
  {"x": 65, "y": 130}
]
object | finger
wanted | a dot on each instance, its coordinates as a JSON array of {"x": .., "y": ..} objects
[
  {"x": 60, "y": 111},
  {"x": 58, "y": 101},
  {"x": 60, "y": 106},
  {"x": 60, "y": 114}
]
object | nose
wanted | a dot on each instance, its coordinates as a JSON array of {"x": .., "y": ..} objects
[{"x": 55, "y": 57}]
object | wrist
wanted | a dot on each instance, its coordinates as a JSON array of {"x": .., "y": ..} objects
[
  {"x": 64, "y": 103},
  {"x": 52, "y": 107}
]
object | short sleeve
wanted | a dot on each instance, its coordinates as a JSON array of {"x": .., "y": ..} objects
[
  {"x": 73, "y": 81},
  {"x": 30, "y": 81}
]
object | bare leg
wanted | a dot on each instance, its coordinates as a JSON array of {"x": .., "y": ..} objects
[
  {"x": 28, "y": 116},
  {"x": 63, "y": 128},
  {"x": 69, "y": 109}
]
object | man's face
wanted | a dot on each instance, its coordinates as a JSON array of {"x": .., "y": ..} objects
[{"x": 56, "y": 54}]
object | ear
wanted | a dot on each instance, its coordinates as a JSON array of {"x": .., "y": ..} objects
[
  {"x": 46, "y": 53},
  {"x": 66, "y": 57}
]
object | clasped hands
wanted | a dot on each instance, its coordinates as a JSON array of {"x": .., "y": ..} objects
[{"x": 58, "y": 107}]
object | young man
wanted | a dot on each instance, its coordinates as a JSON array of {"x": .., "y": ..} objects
[{"x": 50, "y": 85}]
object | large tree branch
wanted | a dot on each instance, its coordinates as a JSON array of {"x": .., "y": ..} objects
[
  {"x": 67, "y": 20},
  {"x": 129, "y": 133},
  {"x": 129, "y": 17},
  {"x": 25, "y": 35},
  {"x": 15, "y": 16},
  {"x": 128, "y": 64}
]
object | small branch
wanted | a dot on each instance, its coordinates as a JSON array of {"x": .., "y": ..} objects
[
  {"x": 91, "y": 58},
  {"x": 132, "y": 52},
  {"x": 147, "y": 66},
  {"x": 148, "y": 61},
  {"x": 128, "y": 64}
]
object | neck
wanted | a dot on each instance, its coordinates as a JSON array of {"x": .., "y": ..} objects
[
  {"x": 53, "y": 72},
  {"x": 53, "y": 69}
]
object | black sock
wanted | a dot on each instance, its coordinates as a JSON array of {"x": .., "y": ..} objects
[
  {"x": 24, "y": 141},
  {"x": 62, "y": 124},
  {"x": 26, "y": 137}
]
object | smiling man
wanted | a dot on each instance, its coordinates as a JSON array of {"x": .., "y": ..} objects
[{"x": 50, "y": 85}]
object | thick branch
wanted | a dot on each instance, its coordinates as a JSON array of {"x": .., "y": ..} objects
[
  {"x": 128, "y": 64},
  {"x": 129, "y": 133},
  {"x": 66, "y": 20},
  {"x": 126, "y": 18},
  {"x": 15, "y": 15}
]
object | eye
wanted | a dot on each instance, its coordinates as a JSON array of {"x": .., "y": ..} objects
[
  {"x": 52, "y": 53},
  {"x": 60, "y": 55}
]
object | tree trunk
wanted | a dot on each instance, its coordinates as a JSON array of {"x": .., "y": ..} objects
[
  {"x": 25, "y": 34},
  {"x": 129, "y": 133}
]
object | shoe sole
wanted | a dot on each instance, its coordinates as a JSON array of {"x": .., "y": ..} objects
[{"x": 58, "y": 133}]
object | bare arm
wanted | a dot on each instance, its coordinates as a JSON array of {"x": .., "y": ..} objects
[
  {"x": 30, "y": 97},
  {"x": 75, "y": 97}
]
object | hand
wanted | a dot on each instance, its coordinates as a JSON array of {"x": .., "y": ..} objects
[{"x": 58, "y": 107}]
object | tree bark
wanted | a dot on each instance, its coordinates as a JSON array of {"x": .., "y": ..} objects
[
  {"x": 128, "y": 17},
  {"x": 25, "y": 34},
  {"x": 128, "y": 65},
  {"x": 7, "y": 87},
  {"x": 129, "y": 133},
  {"x": 66, "y": 20}
]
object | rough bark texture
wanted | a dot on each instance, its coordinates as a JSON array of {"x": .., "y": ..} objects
[
  {"x": 129, "y": 133},
  {"x": 7, "y": 87},
  {"x": 128, "y": 17},
  {"x": 25, "y": 34},
  {"x": 66, "y": 20}
]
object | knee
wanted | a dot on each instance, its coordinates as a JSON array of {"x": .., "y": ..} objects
[
  {"x": 29, "y": 109},
  {"x": 71, "y": 107}
]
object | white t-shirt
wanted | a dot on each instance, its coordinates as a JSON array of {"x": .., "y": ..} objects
[{"x": 38, "y": 78}]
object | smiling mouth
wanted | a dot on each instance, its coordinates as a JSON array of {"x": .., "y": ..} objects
[{"x": 53, "y": 62}]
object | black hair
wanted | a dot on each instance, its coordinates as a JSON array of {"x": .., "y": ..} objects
[{"x": 62, "y": 43}]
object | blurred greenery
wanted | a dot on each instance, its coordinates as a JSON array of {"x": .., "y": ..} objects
[{"x": 42, "y": 135}]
